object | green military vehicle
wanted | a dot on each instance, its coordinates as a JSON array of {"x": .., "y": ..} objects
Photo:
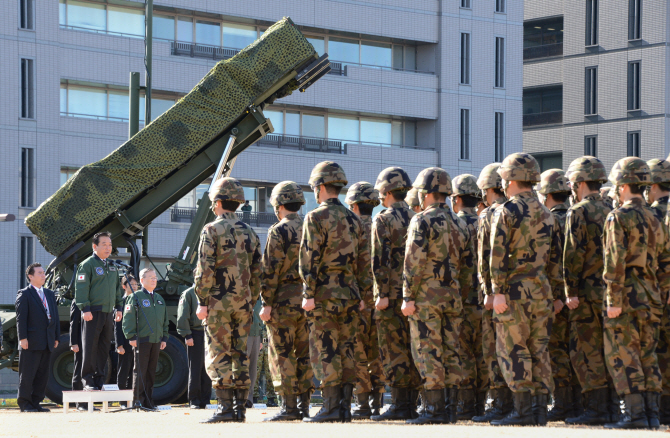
[{"x": 199, "y": 137}]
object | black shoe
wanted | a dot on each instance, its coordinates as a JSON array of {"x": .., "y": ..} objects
[
  {"x": 563, "y": 406},
  {"x": 435, "y": 412},
  {"x": 634, "y": 417},
  {"x": 41, "y": 409},
  {"x": 248, "y": 404},
  {"x": 540, "y": 402},
  {"x": 651, "y": 403},
  {"x": 466, "y": 404},
  {"x": 400, "y": 408},
  {"x": 501, "y": 406},
  {"x": 577, "y": 401},
  {"x": 376, "y": 402},
  {"x": 304, "y": 400},
  {"x": 362, "y": 410},
  {"x": 289, "y": 410},
  {"x": 346, "y": 394},
  {"x": 330, "y": 411},
  {"x": 414, "y": 402},
  {"x": 240, "y": 407},
  {"x": 596, "y": 408},
  {"x": 664, "y": 412},
  {"x": 30, "y": 410},
  {"x": 522, "y": 415},
  {"x": 224, "y": 410}
]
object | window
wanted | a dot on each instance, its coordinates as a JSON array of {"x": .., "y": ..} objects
[
  {"x": 549, "y": 160},
  {"x": 634, "y": 19},
  {"x": 591, "y": 91},
  {"x": 634, "y": 144},
  {"x": 27, "y": 178},
  {"x": 591, "y": 22},
  {"x": 125, "y": 21},
  {"x": 66, "y": 173},
  {"x": 466, "y": 4},
  {"x": 379, "y": 54},
  {"x": 543, "y": 105},
  {"x": 27, "y": 258},
  {"x": 376, "y": 132},
  {"x": 185, "y": 29},
  {"x": 499, "y": 152},
  {"x": 404, "y": 57},
  {"x": 634, "y": 86},
  {"x": 591, "y": 145},
  {"x": 207, "y": 33},
  {"x": 163, "y": 27},
  {"x": 465, "y": 58},
  {"x": 26, "y": 14},
  {"x": 465, "y": 134},
  {"x": 344, "y": 128},
  {"x": 85, "y": 15},
  {"x": 27, "y": 88},
  {"x": 313, "y": 126},
  {"x": 543, "y": 38},
  {"x": 500, "y": 6},
  {"x": 343, "y": 50},
  {"x": 500, "y": 63},
  {"x": 319, "y": 44},
  {"x": 238, "y": 36}
]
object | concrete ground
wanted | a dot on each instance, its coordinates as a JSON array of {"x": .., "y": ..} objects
[{"x": 182, "y": 422}]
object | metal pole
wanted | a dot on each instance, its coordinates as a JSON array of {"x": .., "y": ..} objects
[
  {"x": 134, "y": 111},
  {"x": 148, "y": 48},
  {"x": 224, "y": 158}
]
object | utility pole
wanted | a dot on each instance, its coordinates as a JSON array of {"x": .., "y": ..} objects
[{"x": 148, "y": 49}]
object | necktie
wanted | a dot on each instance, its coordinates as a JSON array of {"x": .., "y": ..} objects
[{"x": 44, "y": 302}]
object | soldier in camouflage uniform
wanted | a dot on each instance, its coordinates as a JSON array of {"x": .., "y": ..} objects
[
  {"x": 637, "y": 269},
  {"x": 526, "y": 279},
  {"x": 475, "y": 383},
  {"x": 584, "y": 288},
  {"x": 438, "y": 248},
  {"x": 281, "y": 293},
  {"x": 334, "y": 265},
  {"x": 264, "y": 389},
  {"x": 491, "y": 186},
  {"x": 389, "y": 233},
  {"x": 412, "y": 200},
  {"x": 227, "y": 283}
]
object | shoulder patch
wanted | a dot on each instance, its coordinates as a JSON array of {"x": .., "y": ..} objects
[
  {"x": 112, "y": 268},
  {"x": 160, "y": 302},
  {"x": 81, "y": 277},
  {"x": 99, "y": 271}
]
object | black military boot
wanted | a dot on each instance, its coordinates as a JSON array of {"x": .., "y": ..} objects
[
  {"x": 502, "y": 405},
  {"x": 540, "y": 402},
  {"x": 304, "y": 400},
  {"x": 289, "y": 409},
  {"x": 577, "y": 403},
  {"x": 480, "y": 403},
  {"x": 664, "y": 412},
  {"x": 224, "y": 409},
  {"x": 563, "y": 406},
  {"x": 596, "y": 408},
  {"x": 435, "y": 412},
  {"x": 330, "y": 411},
  {"x": 651, "y": 403},
  {"x": 634, "y": 417},
  {"x": 466, "y": 404},
  {"x": 376, "y": 402},
  {"x": 522, "y": 415},
  {"x": 399, "y": 409},
  {"x": 614, "y": 406},
  {"x": 241, "y": 396},
  {"x": 346, "y": 393},
  {"x": 414, "y": 402},
  {"x": 451, "y": 403},
  {"x": 362, "y": 410}
]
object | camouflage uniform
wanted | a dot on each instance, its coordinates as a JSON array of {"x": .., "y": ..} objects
[
  {"x": 264, "y": 370},
  {"x": 281, "y": 289},
  {"x": 637, "y": 268},
  {"x": 525, "y": 268},
  {"x": 226, "y": 279},
  {"x": 438, "y": 248},
  {"x": 334, "y": 265}
]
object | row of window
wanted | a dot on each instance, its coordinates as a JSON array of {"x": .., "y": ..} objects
[
  {"x": 633, "y": 144},
  {"x": 466, "y": 60},
  {"x": 634, "y": 21},
  {"x": 466, "y": 128},
  {"x": 591, "y": 88},
  {"x": 501, "y": 5}
]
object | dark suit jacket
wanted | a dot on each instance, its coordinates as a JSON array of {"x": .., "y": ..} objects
[
  {"x": 119, "y": 338},
  {"x": 75, "y": 325},
  {"x": 32, "y": 322}
]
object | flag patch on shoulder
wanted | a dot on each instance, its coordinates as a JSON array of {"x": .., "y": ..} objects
[
  {"x": 128, "y": 307},
  {"x": 81, "y": 277}
]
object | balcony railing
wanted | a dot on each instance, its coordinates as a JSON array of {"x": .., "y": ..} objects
[
  {"x": 548, "y": 118},
  {"x": 182, "y": 215},
  {"x": 544, "y": 51},
  {"x": 202, "y": 50},
  {"x": 296, "y": 142}
]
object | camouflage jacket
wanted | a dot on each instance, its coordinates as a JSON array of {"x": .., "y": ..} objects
[
  {"x": 280, "y": 281},
  {"x": 560, "y": 212},
  {"x": 389, "y": 234},
  {"x": 661, "y": 206},
  {"x": 583, "y": 248},
  {"x": 637, "y": 258},
  {"x": 484, "y": 248},
  {"x": 334, "y": 259},
  {"x": 470, "y": 291},
  {"x": 229, "y": 263},
  {"x": 366, "y": 290},
  {"x": 525, "y": 250},
  {"x": 436, "y": 254}
]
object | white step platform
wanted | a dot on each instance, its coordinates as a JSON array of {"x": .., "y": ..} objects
[{"x": 90, "y": 397}]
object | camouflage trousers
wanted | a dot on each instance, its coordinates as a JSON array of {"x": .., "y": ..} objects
[
  {"x": 435, "y": 333},
  {"x": 226, "y": 334},
  {"x": 586, "y": 346},
  {"x": 663, "y": 350},
  {"x": 333, "y": 328},
  {"x": 495, "y": 376},
  {"x": 393, "y": 330},
  {"x": 369, "y": 373},
  {"x": 559, "y": 349},
  {"x": 630, "y": 352},
  {"x": 522, "y": 339},
  {"x": 475, "y": 371},
  {"x": 288, "y": 350}
]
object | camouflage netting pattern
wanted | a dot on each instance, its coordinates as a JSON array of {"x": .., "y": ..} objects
[{"x": 98, "y": 189}]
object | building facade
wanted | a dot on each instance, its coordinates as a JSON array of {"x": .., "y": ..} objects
[
  {"x": 414, "y": 84},
  {"x": 595, "y": 80}
]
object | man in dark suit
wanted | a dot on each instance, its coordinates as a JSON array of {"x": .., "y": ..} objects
[{"x": 38, "y": 329}]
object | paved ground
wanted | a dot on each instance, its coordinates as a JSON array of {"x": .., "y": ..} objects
[{"x": 181, "y": 422}]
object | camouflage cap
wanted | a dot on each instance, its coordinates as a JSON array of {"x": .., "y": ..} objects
[
  {"x": 630, "y": 170},
  {"x": 327, "y": 172},
  {"x": 520, "y": 167},
  {"x": 393, "y": 178},
  {"x": 286, "y": 192},
  {"x": 553, "y": 181},
  {"x": 433, "y": 180},
  {"x": 227, "y": 189},
  {"x": 412, "y": 198},
  {"x": 362, "y": 192},
  {"x": 489, "y": 178},
  {"x": 466, "y": 184},
  {"x": 660, "y": 170},
  {"x": 585, "y": 169}
]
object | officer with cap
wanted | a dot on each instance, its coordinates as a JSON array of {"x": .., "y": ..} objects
[
  {"x": 334, "y": 265},
  {"x": 227, "y": 283}
]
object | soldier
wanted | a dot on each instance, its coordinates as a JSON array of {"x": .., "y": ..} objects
[
  {"x": 637, "y": 269},
  {"x": 475, "y": 383},
  {"x": 264, "y": 390},
  {"x": 525, "y": 280},
  {"x": 554, "y": 192},
  {"x": 334, "y": 263},
  {"x": 412, "y": 200},
  {"x": 389, "y": 233},
  {"x": 126, "y": 358},
  {"x": 491, "y": 186},
  {"x": 584, "y": 287},
  {"x": 438, "y": 247},
  {"x": 362, "y": 198},
  {"x": 227, "y": 283},
  {"x": 281, "y": 293}
]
